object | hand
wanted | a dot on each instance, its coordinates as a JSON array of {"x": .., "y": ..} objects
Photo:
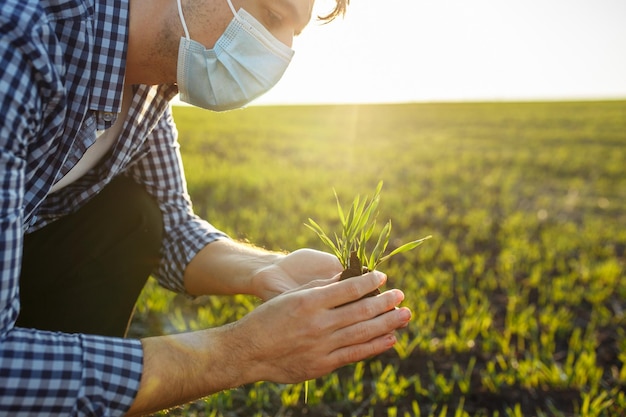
[
  {"x": 311, "y": 323},
  {"x": 292, "y": 271},
  {"x": 308, "y": 333},
  {"x": 299, "y": 335}
]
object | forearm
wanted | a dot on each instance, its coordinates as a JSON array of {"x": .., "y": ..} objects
[
  {"x": 227, "y": 267},
  {"x": 184, "y": 367}
]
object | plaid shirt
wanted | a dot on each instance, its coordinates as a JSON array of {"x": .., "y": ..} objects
[{"x": 61, "y": 78}]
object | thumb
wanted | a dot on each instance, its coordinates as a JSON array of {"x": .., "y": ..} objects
[{"x": 315, "y": 284}]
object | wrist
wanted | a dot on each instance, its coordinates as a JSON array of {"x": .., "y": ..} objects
[
  {"x": 226, "y": 267},
  {"x": 222, "y": 361},
  {"x": 262, "y": 273},
  {"x": 235, "y": 347}
]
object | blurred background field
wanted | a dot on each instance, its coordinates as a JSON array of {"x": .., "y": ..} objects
[{"x": 519, "y": 298}]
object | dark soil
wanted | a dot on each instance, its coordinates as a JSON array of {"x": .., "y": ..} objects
[{"x": 356, "y": 269}]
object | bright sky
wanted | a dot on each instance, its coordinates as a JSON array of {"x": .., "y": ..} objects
[{"x": 442, "y": 50}]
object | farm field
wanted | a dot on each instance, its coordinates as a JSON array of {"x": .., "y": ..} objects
[{"x": 518, "y": 299}]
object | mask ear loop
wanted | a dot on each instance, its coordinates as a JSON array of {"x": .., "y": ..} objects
[
  {"x": 182, "y": 19},
  {"x": 232, "y": 9}
]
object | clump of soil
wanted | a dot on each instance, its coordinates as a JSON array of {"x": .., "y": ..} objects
[{"x": 355, "y": 269}]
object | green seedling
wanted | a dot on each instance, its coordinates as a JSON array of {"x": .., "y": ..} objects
[
  {"x": 351, "y": 246},
  {"x": 357, "y": 229}
]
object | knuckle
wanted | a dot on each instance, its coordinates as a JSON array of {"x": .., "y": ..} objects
[
  {"x": 360, "y": 352},
  {"x": 302, "y": 302},
  {"x": 360, "y": 332},
  {"x": 353, "y": 355},
  {"x": 318, "y": 327},
  {"x": 368, "y": 308},
  {"x": 353, "y": 289}
]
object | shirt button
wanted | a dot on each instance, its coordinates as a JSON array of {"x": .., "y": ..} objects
[{"x": 107, "y": 116}]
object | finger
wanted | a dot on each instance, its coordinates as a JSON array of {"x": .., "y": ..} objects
[
  {"x": 354, "y": 353},
  {"x": 349, "y": 290},
  {"x": 364, "y": 331},
  {"x": 368, "y": 308},
  {"x": 315, "y": 284}
]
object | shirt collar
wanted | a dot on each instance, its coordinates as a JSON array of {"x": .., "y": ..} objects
[{"x": 110, "y": 48}]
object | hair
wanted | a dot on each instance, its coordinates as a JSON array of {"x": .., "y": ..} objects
[{"x": 339, "y": 10}]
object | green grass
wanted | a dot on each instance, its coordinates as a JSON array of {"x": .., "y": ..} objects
[{"x": 518, "y": 298}]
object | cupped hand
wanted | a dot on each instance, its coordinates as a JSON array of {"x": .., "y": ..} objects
[
  {"x": 308, "y": 333},
  {"x": 294, "y": 270}
]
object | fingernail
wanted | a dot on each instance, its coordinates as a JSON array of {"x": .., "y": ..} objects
[{"x": 405, "y": 314}]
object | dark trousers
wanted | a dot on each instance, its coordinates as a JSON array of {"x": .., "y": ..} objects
[{"x": 84, "y": 272}]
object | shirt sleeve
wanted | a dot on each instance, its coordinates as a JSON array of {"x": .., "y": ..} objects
[
  {"x": 161, "y": 172},
  {"x": 43, "y": 373},
  {"x": 56, "y": 374}
]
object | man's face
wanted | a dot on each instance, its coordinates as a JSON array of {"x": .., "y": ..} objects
[{"x": 283, "y": 18}]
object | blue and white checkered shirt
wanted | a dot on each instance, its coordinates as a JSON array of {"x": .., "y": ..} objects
[{"x": 61, "y": 80}]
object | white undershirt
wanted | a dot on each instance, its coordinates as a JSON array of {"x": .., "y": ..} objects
[{"x": 104, "y": 142}]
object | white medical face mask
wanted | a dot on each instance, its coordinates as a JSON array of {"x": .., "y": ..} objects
[{"x": 246, "y": 61}]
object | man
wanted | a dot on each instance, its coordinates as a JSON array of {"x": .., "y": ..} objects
[{"x": 94, "y": 199}]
